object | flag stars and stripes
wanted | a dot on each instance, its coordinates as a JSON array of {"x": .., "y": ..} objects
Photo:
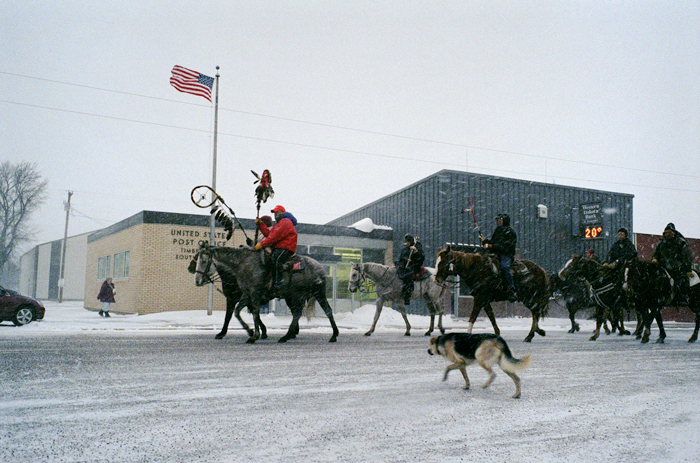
[{"x": 189, "y": 81}]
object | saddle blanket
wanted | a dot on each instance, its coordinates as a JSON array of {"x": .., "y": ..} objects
[{"x": 294, "y": 266}]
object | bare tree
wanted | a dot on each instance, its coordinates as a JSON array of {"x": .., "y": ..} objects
[{"x": 22, "y": 191}]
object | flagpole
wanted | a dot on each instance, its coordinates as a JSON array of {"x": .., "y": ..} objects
[{"x": 212, "y": 220}]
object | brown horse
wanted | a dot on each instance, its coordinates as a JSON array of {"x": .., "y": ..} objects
[{"x": 480, "y": 273}]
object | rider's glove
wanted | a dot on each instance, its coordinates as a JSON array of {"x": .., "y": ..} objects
[{"x": 258, "y": 247}]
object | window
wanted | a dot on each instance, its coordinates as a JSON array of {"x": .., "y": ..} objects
[
  {"x": 121, "y": 265},
  {"x": 103, "y": 267}
]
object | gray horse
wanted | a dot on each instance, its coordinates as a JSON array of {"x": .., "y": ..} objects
[
  {"x": 246, "y": 266},
  {"x": 389, "y": 289}
]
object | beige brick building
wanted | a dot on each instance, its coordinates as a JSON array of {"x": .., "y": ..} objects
[{"x": 147, "y": 256}]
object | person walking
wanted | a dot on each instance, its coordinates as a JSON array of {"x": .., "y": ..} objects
[
  {"x": 674, "y": 254},
  {"x": 282, "y": 238},
  {"x": 106, "y": 296},
  {"x": 408, "y": 265},
  {"x": 503, "y": 243}
]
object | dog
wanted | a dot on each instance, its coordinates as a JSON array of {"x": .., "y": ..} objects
[{"x": 486, "y": 349}]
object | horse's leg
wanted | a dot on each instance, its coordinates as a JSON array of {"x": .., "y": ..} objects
[
  {"x": 321, "y": 298},
  {"x": 296, "y": 307},
  {"x": 263, "y": 328},
  {"x": 402, "y": 309},
  {"x": 227, "y": 319},
  {"x": 251, "y": 334},
  {"x": 432, "y": 323},
  {"x": 572, "y": 308},
  {"x": 535, "y": 328},
  {"x": 489, "y": 311},
  {"x": 598, "y": 323},
  {"x": 648, "y": 318},
  {"x": 662, "y": 331},
  {"x": 377, "y": 313},
  {"x": 694, "y": 336},
  {"x": 640, "y": 323},
  {"x": 475, "y": 314}
]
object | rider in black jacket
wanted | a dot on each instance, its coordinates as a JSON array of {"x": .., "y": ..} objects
[
  {"x": 408, "y": 265},
  {"x": 503, "y": 243}
]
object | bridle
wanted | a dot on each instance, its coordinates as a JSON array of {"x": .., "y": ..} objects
[
  {"x": 208, "y": 251},
  {"x": 363, "y": 277},
  {"x": 450, "y": 264}
]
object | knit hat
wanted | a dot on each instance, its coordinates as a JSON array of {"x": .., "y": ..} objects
[
  {"x": 670, "y": 226},
  {"x": 624, "y": 230}
]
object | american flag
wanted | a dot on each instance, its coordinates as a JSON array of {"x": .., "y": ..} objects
[{"x": 188, "y": 81}]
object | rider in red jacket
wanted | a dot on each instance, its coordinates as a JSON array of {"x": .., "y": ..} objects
[{"x": 282, "y": 237}]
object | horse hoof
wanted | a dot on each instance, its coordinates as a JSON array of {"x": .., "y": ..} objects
[
  {"x": 693, "y": 339},
  {"x": 660, "y": 341},
  {"x": 428, "y": 333},
  {"x": 577, "y": 327},
  {"x": 250, "y": 341},
  {"x": 442, "y": 330},
  {"x": 369, "y": 333},
  {"x": 593, "y": 338},
  {"x": 407, "y": 334},
  {"x": 645, "y": 340},
  {"x": 541, "y": 333},
  {"x": 528, "y": 339},
  {"x": 263, "y": 336},
  {"x": 333, "y": 339},
  {"x": 572, "y": 330},
  {"x": 283, "y": 339},
  {"x": 220, "y": 336}
]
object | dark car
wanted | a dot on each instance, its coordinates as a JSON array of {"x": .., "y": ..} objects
[{"x": 19, "y": 309}]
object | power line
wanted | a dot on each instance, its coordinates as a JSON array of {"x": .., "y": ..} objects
[{"x": 320, "y": 124}]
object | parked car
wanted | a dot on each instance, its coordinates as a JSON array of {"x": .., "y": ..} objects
[{"x": 19, "y": 309}]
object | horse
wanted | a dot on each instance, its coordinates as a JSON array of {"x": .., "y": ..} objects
[
  {"x": 601, "y": 291},
  {"x": 235, "y": 302},
  {"x": 480, "y": 273},
  {"x": 576, "y": 295},
  {"x": 247, "y": 267},
  {"x": 389, "y": 289},
  {"x": 650, "y": 287}
]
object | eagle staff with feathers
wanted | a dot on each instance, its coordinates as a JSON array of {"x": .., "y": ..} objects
[{"x": 263, "y": 192}]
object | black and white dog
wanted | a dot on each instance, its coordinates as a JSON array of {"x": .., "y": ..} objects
[{"x": 485, "y": 349}]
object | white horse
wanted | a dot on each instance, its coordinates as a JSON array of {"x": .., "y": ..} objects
[{"x": 388, "y": 288}]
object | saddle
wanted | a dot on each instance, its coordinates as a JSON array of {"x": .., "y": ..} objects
[
  {"x": 516, "y": 268},
  {"x": 422, "y": 274}
]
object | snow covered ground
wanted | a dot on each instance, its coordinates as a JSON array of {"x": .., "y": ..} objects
[{"x": 78, "y": 387}]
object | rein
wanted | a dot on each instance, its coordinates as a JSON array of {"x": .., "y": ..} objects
[{"x": 363, "y": 276}]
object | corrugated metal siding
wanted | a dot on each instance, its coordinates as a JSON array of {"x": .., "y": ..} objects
[{"x": 433, "y": 210}]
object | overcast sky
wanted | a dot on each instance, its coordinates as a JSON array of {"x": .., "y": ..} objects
[{"x": 347, "y": 102}]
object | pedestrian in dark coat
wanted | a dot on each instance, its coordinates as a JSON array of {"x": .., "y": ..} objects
[
  {"x": 408, "y": 265},
  {"x": 106, "y": 296},
  {"x": 503, "y": 243},
  {"x": 674, "y": 254}
]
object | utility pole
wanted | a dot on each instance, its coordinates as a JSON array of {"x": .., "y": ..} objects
[{"x": 61, "y": 278}]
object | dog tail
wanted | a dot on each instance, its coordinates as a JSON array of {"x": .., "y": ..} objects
[{"x": 510, "y": 364}]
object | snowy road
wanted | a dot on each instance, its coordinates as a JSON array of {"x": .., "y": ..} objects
[{"x": 140, "y": 396}]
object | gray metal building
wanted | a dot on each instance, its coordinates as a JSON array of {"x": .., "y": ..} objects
[{"x": 552, "y": 221}]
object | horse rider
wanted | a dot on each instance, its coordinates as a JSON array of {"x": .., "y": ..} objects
[
  {"x": 282, "y": 237},
  {"x": 503, "y": 243},
  {"x": 674, "y": 254},
  {"x": 591, "y": 255},
  {"x": 622, "y": 251},
  {"x": 408, "y": 265}
]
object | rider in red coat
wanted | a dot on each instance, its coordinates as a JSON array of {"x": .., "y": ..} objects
[{"x": 282, "y": 237}]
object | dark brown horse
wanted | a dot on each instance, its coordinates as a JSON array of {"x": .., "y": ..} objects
[
  {"x": 480, "y": 273},
  {"x": 650, "y": 288},
  {"x": 604, "y": 291}
]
